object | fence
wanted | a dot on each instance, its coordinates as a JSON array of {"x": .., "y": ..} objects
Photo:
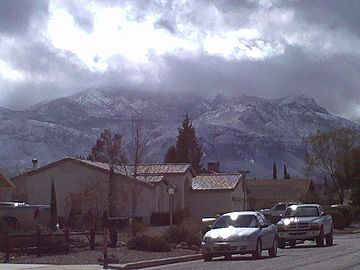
[{"x": 11, "y": 247}]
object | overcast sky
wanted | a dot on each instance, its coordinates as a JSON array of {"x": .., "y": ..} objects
[{"x": 267, "y": 48}]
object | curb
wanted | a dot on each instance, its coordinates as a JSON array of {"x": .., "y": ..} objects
[{"x": 157, "y": 262}]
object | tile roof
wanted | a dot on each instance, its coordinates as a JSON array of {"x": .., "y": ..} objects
[
  {"x": 219, "y": 181},
  {"x": 4, "y": 182},
  {"x": 151, "y": 173},
  {"x": 269, "y": 188}
]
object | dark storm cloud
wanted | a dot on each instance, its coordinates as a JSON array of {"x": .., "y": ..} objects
[
  {"x": 305, "y": 67},
  {"x": 330, "y": 13},
  {"x": 332, "y": 81},
  {"x": 17, "y": 16}
]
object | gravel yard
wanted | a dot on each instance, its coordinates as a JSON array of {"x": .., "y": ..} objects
[{"x": 86, "y": 256}]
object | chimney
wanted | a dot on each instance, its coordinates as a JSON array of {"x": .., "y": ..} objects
[
  {"x": 214, "y": 166},
  {"x": 35, "y": 163}
]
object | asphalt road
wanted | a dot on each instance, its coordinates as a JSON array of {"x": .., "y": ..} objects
[{"x": 344, "y": 254}]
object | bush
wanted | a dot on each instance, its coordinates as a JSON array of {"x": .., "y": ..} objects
[
  {"x": 338, "y": 218},
  {"x": 180, "y": 215},
  {"x": 355, "y": 212},
  {"x": 189, "y": 232},
  {"x": 137, "y": 227},
  {"x": 159, "y": 219},
  {"x": 346, "y": 211},
  {"x": 149, "y": 243}
]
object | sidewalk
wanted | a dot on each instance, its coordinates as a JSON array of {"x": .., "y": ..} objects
[{"x": 10, "y": 266}]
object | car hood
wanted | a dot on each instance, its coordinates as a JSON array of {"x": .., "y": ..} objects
[
  {"x": 299, "y": 219},
  {"x": 230, "y": 232}
]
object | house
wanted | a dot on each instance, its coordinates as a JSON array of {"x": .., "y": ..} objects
[
  {"x": 264, "y": 193},
  {"x": 6, "y": 188},
  {"x": 83, "y": 186},
  {"x": 212, "y": 194}
]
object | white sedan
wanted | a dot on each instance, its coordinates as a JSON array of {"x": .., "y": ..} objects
[{"x": 240, "y": 233}]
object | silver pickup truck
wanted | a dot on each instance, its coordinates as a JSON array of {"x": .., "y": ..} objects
[{"x": 305, "y": 222}]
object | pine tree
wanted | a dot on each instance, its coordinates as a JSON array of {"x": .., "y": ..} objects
[
  {"x": 274, "y": 171},
  {"x": 53, "y": 207},
  {"x": 186, "y": 148},
  {"x": 286, "y": 174}
]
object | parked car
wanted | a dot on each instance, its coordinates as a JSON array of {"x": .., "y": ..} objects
[
  {"x": 305, "y": 222},
  {"x": 240, "y": 233},
  {"x": 274, "y": 213},
  {"x": 24, "y": 216}
]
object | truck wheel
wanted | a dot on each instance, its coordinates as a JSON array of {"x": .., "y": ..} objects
[
  {"x": 320, "y": 238},
  {"x": 292, "y": 243},
  {"x": 281, "y": 243},
  {"x": 256, "y": 254},
  {"x": 273, "y": 249},
  {"x": 207, "y": 257},
  {"x": 330, "y": 238},
  {"x": 228, "y": 256}
]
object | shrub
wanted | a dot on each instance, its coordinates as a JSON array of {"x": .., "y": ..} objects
[
  {"x": 355, "y": 212},
  {"x": 149, "y": 243},
  {"x": 189, "y": 232},
  {"x": 347, "y": 213},
  {"x": 180, "y": 215},
  {"x": 338, "y": 218},
  {"x": 137, "y": 227},
  {"x": 159, "y": 219}
]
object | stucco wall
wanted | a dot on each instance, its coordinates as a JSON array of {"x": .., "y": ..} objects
[
  {"x": 213, "y": 202},
  {"x": 71, "y": 177}
]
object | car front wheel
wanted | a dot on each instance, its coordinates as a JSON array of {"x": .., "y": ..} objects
[
  {"x": 207, "y": 257},
  {"x": 330, "y": 238},
  {"x": 273, "y": 250},
  {"x": 320, "y": 238},
  {"x": 257, "y": 252},
  {"x": 281, "y": 243}
]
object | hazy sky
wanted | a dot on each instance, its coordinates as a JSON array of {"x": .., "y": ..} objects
[{"x": 268, "y": 48}]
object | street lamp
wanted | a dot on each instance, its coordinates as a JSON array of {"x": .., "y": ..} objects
[{"x": 171, "y": 191}]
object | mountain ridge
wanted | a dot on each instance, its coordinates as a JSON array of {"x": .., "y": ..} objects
[{"x": 242, "y": 132}]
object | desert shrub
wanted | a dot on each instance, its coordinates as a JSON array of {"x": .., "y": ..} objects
[
  {"x": 159, "y": 218},
  {"x": 355, "y": 212},
  {"x": 180, "y": 215},
  {"x": 189, "y": 231},
  {"x": 347, "y": 213},
  {"x": 137, "y": 227},
  {"x": 149, "y": 243},
  {"x": 338, "y": 218}
]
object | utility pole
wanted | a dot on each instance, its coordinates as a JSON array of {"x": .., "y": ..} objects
[{"x": 243, "y": 176}]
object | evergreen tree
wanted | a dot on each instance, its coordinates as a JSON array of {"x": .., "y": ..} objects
[
  {"x": 286, "y": 174},
  {"x": 53, "y": 207},
  {"x": 186, "y": 148},
  {"x": 274, "y": 171}
]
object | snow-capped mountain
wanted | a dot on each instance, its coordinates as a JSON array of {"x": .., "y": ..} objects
[{"x": 242, "y": 132}]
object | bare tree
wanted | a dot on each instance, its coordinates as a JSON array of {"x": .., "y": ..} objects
[
  {"x": 109, "y": 149},
  {"x": 138, "y": 147},
  {"x": 330, "y": 154}
]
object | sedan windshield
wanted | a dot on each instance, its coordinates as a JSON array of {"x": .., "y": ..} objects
[
  {"x": 309, "y": 211},
  {"x": 245, "y": 221}
]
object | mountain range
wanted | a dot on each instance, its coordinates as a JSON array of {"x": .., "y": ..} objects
[{"x": 242, "y": 132}]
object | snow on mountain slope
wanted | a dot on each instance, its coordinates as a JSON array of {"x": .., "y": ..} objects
[{"x": 242, "y": 132}]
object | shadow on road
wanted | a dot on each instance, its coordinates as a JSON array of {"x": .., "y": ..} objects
[
  {"x": 310, "y": 246},
  {"x": 242, "y": 258}
]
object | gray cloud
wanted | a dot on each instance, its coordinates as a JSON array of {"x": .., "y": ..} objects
[
  {"x": 17, "y": 16},
  {"x": 321, "y": 55}
]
